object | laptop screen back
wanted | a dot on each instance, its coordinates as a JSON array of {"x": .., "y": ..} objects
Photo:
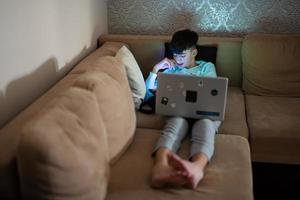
[{"x": 191, "y": 96}]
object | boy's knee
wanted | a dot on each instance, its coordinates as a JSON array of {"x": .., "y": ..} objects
[
  {"x": 178, "y": 120},
  {"x": 206, "y": 122},
  {"x": 203, "y": 124},
  {"x": 177, "y": 123}
]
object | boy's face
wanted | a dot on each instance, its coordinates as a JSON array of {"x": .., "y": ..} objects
[{"x": 186, "y": 58}]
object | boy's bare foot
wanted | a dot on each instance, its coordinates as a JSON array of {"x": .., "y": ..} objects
[
  {"x": 165, "y": 175},
  {"x": 192, "y": 172}
]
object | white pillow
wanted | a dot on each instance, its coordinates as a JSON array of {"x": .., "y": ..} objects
[{"x": 134, "y": 75}]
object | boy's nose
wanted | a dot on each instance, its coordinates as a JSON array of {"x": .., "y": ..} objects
[{"x": 178, "y": 59}]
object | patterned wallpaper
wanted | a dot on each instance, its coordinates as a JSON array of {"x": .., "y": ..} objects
[{"x": 208, "y": 17}]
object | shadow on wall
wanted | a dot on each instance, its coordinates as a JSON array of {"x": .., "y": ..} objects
[{"x": 23, "y": 91}]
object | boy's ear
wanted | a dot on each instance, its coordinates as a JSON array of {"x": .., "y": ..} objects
[{"x": 194, "y": 52}]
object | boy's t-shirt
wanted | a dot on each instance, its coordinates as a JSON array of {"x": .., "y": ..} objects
[{"x": 202, "y": 68}]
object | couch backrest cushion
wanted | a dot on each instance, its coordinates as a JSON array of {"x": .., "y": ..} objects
[
  {"x": 10, "y": 137},
  {"x": 63, "y": 150},
  {"x": 109, "y": 83},
  {"x": 271, "y": 65},
  {"x": 150, "y": 49},
  {"x": 107, "y": 49}
]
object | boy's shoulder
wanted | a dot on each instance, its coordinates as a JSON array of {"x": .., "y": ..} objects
[{"x": 202, "y": 63}]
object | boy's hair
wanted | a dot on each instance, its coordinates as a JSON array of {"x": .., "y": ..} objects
[{"x": 183, "y": 40}]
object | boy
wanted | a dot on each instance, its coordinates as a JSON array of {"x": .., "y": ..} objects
[{"x": 170, "y": 169}]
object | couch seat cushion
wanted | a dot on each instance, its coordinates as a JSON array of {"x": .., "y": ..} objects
[
  {"x": 274, "y": 128},
  {"x": 228, "y": 176},
  {"x": 235, "y": 117},
  {"x": 152, "y": 121}
]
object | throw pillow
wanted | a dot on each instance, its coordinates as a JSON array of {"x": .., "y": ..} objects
[
  {"x": 134, "y": 75},
  {"x": 206, "y": 53}
]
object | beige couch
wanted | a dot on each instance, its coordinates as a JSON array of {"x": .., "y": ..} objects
[
  {"x": 263, "y": 101},
  {"x": 83, "y": 140}
]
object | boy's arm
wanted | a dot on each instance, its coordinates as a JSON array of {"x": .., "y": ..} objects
[
  {"x": 150, "y": 85},
  {"x": 210, "y": 70},
  {"x": 151, "y": 80},
  {"x": 166, "y": 63}
]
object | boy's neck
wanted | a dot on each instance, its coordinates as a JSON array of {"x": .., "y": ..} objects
[{"x": 193, "y": 64}]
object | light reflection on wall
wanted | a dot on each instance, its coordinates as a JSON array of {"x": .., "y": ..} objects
[{"x": 209, "y": 17}]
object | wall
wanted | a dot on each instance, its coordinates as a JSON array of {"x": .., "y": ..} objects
[
  {"x": 208, "y": 17},
  {"x": 40, "y": 42}
]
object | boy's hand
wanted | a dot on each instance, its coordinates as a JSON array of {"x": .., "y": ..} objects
[{"x": 164, "y": 64}]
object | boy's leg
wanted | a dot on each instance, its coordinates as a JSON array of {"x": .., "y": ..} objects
[
  {"x": 190, "y": 171},
  {"x": 203, "y": 137},
  {"x": 202, "y": 148},
  {"x": 163, "y": 173},
  {"x": 169, "y": 142}
]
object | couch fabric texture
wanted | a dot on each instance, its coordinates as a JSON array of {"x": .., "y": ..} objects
[
  {"x": 231, "y": 158},
  {"x": 63, "y": 152}
]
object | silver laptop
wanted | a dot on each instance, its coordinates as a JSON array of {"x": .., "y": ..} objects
[{"x": 191, "y": 96}]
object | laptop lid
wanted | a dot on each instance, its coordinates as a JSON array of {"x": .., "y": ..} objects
[{"x": 191, "y": 96}]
